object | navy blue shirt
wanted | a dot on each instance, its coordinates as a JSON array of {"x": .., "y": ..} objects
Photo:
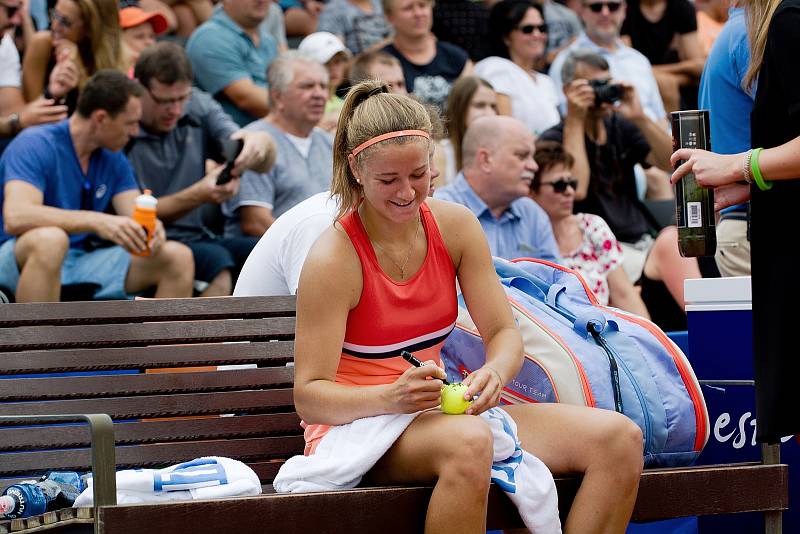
[{"x": 45, "y": 157}]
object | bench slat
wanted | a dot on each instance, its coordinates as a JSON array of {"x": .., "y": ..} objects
[
  {"x": 72, "y": 436},
  {"x": 156, "y": 455},
  {"x": 145, "y": 310},
  {"x": 118, "y": 385},
  {"x": 274, "y": 400},
  {"x": 71, "y": 360},
  {"x": 401, "y": 509},
  {"x": 54, "y": 337}
]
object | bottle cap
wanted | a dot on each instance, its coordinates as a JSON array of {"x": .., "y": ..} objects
[
  {"x": 147, "y": 200},
  {"x": 7, "y": 504}
]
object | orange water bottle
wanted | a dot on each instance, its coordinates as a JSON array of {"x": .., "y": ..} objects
[{"x": 144, "y": 213}]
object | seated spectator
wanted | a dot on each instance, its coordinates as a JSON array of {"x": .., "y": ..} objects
[
  {"x": 471, "y": 98},
  {"x": 607, "y": 141},
  {"x": 359, "y": 23},
  {"x": 301, "y": 16},
  {"x": 494, "y": 183},
  {"x": 162, "y": 7},
  {"x": 327, "y": 49},
  {"x": 139, "y": 30},
  {"x": 189, "y": 14},
  {"x": 85, "y": 37},
  {"x": 273, "y": 24},
  {"x": 430, "y": 66},
  {"x": 14, "y": 114},
  {"x": 59, "y": 179},
  {"x": 298, "y": 89},
  {"x": 181, "y": 129},
  {"x": 584, "y": 240},
  {"x": 463, "y": 23},
  {"x": 602, "y": 21},
  {"x": 519, "y": 36},
  {"x": 377, "y": 65},
  {"x": 711, "y": 17},
  {"x": 652, "y": 27},
  {"x": 563, "y": 27},
  {"x": 230, "y": 54}
]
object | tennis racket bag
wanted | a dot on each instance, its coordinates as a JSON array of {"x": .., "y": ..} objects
[{"x": 580, "y": 352}]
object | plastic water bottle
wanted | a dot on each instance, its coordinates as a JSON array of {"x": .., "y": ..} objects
[
  {"x": 57, "y": 489},
  {"x": 144, "y": 213},
  {"x": 694, "y": 204}
]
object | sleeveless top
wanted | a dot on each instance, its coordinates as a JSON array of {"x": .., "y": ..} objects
[{"x": 415, "y": 315}]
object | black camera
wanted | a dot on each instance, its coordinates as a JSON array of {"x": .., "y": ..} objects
[{"x": 605, "y": 91}]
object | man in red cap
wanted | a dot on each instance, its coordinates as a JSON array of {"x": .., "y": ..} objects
[{"x": 139, "y": 29}]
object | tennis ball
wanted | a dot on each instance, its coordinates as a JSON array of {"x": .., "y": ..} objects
[{"x": 453, "y": 402}]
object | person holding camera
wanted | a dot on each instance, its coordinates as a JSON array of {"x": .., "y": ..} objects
[
  {"x": 182, "y": 128},
  {"x": 608, "y": 133}
]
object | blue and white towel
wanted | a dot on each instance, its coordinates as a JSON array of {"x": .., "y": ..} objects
[
  {"x": 348, "y": 451},
  {"x": 210, "y": 477}
]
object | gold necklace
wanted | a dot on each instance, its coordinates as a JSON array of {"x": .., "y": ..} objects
[{"x": 400, "y": 266}]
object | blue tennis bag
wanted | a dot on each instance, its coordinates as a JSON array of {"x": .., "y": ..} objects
[{"x": 580, "y": 352}]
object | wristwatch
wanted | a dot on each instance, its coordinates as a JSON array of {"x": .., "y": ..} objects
[{"x": 13, "y": 124}]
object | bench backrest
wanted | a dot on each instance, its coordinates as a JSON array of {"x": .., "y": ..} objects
[{"x": 245, "y": 414}]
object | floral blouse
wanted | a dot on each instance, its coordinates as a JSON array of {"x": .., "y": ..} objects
[{"x": 598, "y": 254}]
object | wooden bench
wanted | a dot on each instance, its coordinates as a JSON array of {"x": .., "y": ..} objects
[{"x": 261, "y": 429}]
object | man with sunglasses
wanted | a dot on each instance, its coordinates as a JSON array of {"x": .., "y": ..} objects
[
  {"x": 181, "y": 128},
  {"x": 59, "y": 182},
  {"x": 497, "y": 174},
  {"x": 603, "y": 21}
]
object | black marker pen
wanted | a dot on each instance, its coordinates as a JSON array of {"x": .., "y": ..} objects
[{"x": 407, "y": 356}]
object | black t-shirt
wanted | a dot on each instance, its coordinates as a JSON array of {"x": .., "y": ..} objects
[
  {"x": 655, "y": 40},
  {"x": 463, "y": 23},
  {"x": 612, "y": 183},
  {"x": 775, "y": 119},
  {"x": 431, "y": 83}
]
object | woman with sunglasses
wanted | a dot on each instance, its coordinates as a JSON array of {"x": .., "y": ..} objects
[
  {"x": 85, "y": 37},
  {"x": 585, "y": 241},
  {"x": 519, "y": 37}
]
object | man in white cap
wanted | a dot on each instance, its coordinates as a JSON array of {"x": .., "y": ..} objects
[{"x": 329, "y": 50}]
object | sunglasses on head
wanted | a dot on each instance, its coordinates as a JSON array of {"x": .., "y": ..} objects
[
  {"x": 597, "y": 7},
  {"x": 559, "y": 186},
  {"x": 528, "y": 28}
]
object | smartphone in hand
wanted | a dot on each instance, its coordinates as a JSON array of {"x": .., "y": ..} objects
[{"x": 231, "y": 148}]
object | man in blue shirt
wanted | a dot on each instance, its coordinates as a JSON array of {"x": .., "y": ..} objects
[
  {"x": 730, "y": 105},
  {"x": 230, "y": 54},
  {"x": 494, "y": 184},
  {"x": 59, "y": 180}
]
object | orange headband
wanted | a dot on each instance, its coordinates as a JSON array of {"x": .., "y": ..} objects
[{"x": 384, "y": 137}]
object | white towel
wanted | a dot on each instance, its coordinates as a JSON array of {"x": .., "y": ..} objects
[
  {"x": 210, "y": 477},
  {"x": 348, "y": 451}
]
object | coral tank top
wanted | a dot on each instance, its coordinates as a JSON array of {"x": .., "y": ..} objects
[{"x": 415, "y": 315}]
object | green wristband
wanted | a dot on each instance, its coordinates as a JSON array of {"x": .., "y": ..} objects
[{"x": 756, "y": 170}]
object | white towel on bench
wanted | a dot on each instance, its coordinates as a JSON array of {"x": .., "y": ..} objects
[
  {"x": 348, "y": 451},
  {"x": 210, "y": 477}
]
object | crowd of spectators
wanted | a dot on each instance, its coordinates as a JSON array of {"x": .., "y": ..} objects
[{"x": 590, "y": 81}]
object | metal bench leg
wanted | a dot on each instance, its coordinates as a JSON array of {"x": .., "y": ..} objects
[{"x": 773, "y": 521}]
